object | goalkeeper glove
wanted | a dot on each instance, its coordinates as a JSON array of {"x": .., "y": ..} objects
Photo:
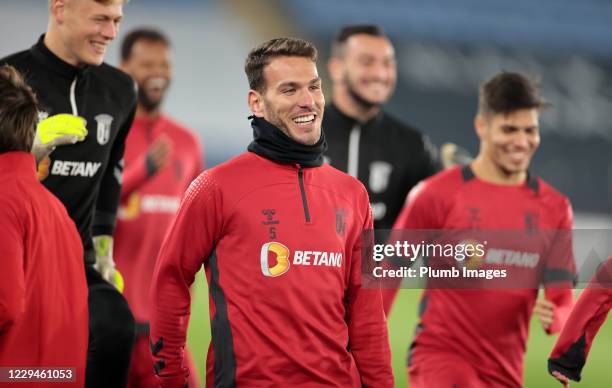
[
  {"x": 57, "y": 130},
  {"x": 105, "y": 264}
]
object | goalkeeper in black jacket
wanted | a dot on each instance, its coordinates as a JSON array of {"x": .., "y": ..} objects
[
  {"x": 65, "y": 69},
  {"x": 387, "y": 156}
]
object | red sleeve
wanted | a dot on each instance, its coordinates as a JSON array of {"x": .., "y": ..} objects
[
  {"x": 563, "y": 300},
  {"x": 560, "y": 269},
  {"x": 134, "y": 176},
  {"x": 589, "y": 313},
  {"x": 419, "y": 213},
  {"x": 188, "y": 245},
  {"x": 368, "y": 336},
  {"x": 12, "y": 288},
  {"x": 201, "y": 157},
  {"x": 421, "y": 210}
]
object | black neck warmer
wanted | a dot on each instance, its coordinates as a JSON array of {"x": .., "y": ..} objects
[{"x": 271, "y": 143}]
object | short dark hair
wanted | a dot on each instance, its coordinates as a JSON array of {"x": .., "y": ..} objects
[
  {"x": 347, "y": 31},
  {"x": 18, "y": 112},
  {"x": 507, "y": 92},
  {"x": 260, "y": 57},
  {"x": 143, "y": 33}
]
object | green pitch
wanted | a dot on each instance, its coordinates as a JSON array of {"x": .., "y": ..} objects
[{"x": 597, "y": 373}]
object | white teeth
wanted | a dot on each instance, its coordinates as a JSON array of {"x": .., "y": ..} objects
[
  {"x": 99, "y": 46},
  {"x": 304, "y": 119},
  {"x": 157, "y": 83}
]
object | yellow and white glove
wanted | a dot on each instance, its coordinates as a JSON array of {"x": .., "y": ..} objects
[
  {"x": 57, "y": 130},
  {"x": 105, "y": 264}
]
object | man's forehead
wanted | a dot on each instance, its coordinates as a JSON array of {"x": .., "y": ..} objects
[
  {"x": 112, "y": 7},
  {"x": 146, "y": 45},
  {"x": 285, "y": 69},
  {"x": 521, "y": 115},
  {"x": 369, "y": 43}
]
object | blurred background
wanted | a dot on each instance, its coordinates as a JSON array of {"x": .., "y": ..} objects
[{"x": 445, "y": 49}]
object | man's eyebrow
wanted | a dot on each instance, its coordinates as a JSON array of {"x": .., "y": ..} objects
[
  {"x": 292, "y": 84},
  {"x": 295, "y": 84},
  {"x": 107, "y": 17}
]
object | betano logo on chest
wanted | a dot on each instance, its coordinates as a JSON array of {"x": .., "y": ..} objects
[
  {"x": 69, "y": 168},
  {"x": 276, "y": 252}
]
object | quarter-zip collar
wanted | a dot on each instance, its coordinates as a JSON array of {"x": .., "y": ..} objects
[
  {"x": 271, "y": 143},
  {"x": 55, "y": 63}
]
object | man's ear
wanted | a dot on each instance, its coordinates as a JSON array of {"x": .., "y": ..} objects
[
  {"x": 57, "y": 9},
  {"x": 334, "y": 69},
  {"x": 256, "y": 104},
  {"x": 480, "y": 124}
]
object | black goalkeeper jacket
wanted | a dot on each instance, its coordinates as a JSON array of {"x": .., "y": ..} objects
[
  {"x": 387, "y": 156},
  {"x": 85, "y": 176}
]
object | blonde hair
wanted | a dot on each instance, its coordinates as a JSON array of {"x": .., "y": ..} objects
[{"x": 103, "y": 2}]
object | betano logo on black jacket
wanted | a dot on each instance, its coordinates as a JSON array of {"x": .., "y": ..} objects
[{"x": 282, "y": 254}]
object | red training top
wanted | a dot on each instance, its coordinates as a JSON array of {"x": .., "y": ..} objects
[
  {"x": 489, "y": 327},
  {"x": 281, "y": 249},
  {"x": 43, "y": 291},
  {"x": 149, "y": 203}
]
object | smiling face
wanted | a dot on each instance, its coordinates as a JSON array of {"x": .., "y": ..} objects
[
  {"x": 368, "y": 70},
  {"x": 292, "y": 98},
  {"x": 85, "y": 29},
  {"x": 150, "y": 64},
  {"x": 509, "y": 141}
]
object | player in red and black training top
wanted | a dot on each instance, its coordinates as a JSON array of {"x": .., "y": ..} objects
[
  {"x": 477, "y": 337},
  {"x": 161, "y": 159},
  {"x": 279, "y": 235},
  {"x": 590, "y": 311},
  {"x": 43, "y": 292}
]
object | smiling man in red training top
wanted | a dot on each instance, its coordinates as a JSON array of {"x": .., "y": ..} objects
[
  {"x": 477, "y": 338},
  {"x": 161, "y": 159},
  {"x": 278, "y": 233}
]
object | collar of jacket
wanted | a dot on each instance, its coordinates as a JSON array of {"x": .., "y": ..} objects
[
  {"x": 18, "y": 163},
  {"x": 55, "y": 63},
  {"x": 271, "y": 143},
  {"x": 332, "y": 111}
]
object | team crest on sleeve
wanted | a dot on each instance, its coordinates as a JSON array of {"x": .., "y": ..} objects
[
  {"x": 340, "y": 221},
  {"x": 531, "y": 222},
  {"x": 379, "y": 176},
  {"x": 103, "y": 129}
]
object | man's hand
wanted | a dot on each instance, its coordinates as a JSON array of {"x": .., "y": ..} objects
[
  {"x": 563, "y": 379},
  {"x": 545, "y": 311},
  {"x": 158, "y": 153},
  {"x": 57, "y": 130},
  {"x": 105, "y": 264}
]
